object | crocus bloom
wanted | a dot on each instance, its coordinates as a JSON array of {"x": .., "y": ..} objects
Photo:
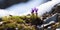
[{"x": 32, "y": 11}]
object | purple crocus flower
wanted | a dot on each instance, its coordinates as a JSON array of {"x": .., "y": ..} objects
[{"x": 32, "y": 11}]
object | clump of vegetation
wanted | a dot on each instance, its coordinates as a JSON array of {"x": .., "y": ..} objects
[
  {"x": 28, "y": 22},
  {"x": 16, "y": 22}
]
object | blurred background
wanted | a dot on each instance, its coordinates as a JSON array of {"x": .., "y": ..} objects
[
  {"x": 16, "y": 7},
  {"x": 7, "y": 3}
]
